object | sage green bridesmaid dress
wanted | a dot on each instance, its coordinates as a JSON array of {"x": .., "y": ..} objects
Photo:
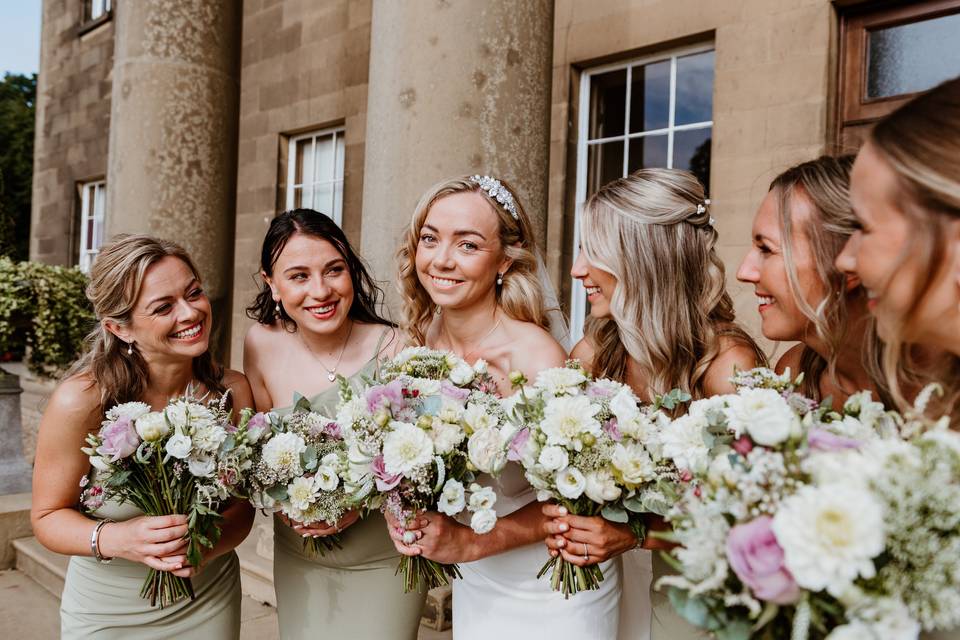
[
  {"x": 350, "y": 592},
  {"x": 103, "y": 601}
]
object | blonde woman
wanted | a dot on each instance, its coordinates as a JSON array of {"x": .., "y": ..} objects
[
  {"x": 800, "y": 228},
  {"x": 470, "y": 282},
  {"x": 660, "y": 318},
  {"x": 151, "y": 342}
]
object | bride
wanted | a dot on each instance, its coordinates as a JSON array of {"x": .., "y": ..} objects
[{"x": 469, "y": 278}]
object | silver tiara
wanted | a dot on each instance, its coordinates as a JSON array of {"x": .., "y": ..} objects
[
  {"x": 498, "y": 192},
  {"x": 702, "y": 208}
]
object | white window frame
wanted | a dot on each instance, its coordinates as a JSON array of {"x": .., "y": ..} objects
[
  {"x": 99, "y": 8},
  {"x": 578, "y": 295},
  {"x": 99, "y": 188},
  {"x": 338, "y": 157}
]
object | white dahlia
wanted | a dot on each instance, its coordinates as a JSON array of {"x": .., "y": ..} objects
[
  {"x": 560, "y": 381},
  {"x": 131, "y": 410},
  {"x": 633, "y": 463},
  {"x": 282, "y": 454},
  {"x": 302, "y": 492},
  {"x": 405, "y": 448},
  {"x": 567, "y": 419}
]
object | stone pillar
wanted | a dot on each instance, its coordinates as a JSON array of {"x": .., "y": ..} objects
[
  {"x": 173, "y": 131},
  {"x": 15, "y": 473},
  {"x": 456, "y": 87}
]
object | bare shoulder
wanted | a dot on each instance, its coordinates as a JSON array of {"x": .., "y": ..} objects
[
  {"x": 539, "y": 350},
  {"x": 261, "y": 336},
  {"x": 584, "y": 352},
  {"x": 239, "y": 387},
  {"x": 735, "y": 355},
  {"x": 790, "y": 360},
  {"x": 75, "y": 402}
]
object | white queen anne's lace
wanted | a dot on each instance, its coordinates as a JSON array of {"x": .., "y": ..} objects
[{"x": 498, "y": 192}]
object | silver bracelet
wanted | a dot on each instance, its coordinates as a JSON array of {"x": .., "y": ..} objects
[{"x": 95, "y": 541}]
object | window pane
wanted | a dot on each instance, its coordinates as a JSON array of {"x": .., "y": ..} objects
[
  {"x": 340, "y": 154},
  {"x": 608, "y": 101},
  {"x": 304, "y": 162},
  {"x": 323, "y": 157},
  {"x": 647, "y": 152},
  {"x": 337, "y": 211},
  {"x": 650, "y": 97},
  {"x": 694, "y": 88},
  {"x": 604, "y": 163},
  {"x": 89, "y": 237},
  {"x": 691, "y": 151},
  {"x": 323, "y": 198},
  {"x": 912, "y": 57}
]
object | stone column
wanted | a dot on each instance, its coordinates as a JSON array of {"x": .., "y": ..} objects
[
  {"x": 173, "y": 131},
  {"x": 456, "y": 86},
  {"x": 15, "y": 473}
]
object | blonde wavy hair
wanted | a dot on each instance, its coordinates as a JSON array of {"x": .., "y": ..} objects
[
  {"x": 520, "y": 296},
  {"x": 670, "y": 306},
  {"x": 921, "y": 143},
  {"x": 116, "y": 280}
]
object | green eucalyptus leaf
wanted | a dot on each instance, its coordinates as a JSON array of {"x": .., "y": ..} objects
[
  {"x": 278, "y": 492},
  {"x": 615, "y": 514}
]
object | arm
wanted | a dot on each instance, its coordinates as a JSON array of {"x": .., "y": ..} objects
[
  {"x": 74, "y": 411},
  {"x": 252, "y": 369}
]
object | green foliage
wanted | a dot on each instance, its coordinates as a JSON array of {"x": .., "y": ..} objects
[
  {"x": 18, "y": 95},
  {"x": 44, "y": 314}
]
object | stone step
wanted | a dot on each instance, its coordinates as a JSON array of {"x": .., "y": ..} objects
[{"x": 46, "y": 568}]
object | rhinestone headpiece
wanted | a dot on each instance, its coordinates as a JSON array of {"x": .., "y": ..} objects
[{"x": 498, "y": 192}]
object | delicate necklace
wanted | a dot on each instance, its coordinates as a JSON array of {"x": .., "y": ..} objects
[
  {"x": 479, "y": 344},
  {"x": 331, "y": 373}
]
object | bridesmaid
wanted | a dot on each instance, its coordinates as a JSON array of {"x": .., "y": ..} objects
[
  {"x": 317, "y": 317},
  {"x": 660, "y": 318},
  {"x": 470, "y": 283},
  {"x": 800, "y": 228},
  {"x": 147, "y": 295}
]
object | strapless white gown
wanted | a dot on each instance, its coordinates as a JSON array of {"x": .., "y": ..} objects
[{"x": 500, "y": 597}]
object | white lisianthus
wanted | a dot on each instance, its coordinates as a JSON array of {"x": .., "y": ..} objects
[
  {"x": 763, "y": 414},
  {"x": 99, "y": 463},
  {"x": 483, "y": 521},
  {"x": 633, "y": 463},
  {"x": 476, "y": 417},
  {"x": 830, "y": 535},
  {"x": 571, "y": 483},
  {"x": 446, "y": 436},
  {"x": 151, "y": 426},
  {"x": 683, "y": 443},
  {"x": 560, "y": 381},
  {"x": 624, "y": 405},
  {"x": 868, "y": 410},
  {"x": 201, "y": 466},
  {"x": 132, "y": 410},
  {"x": 405, "y": 448},
  {"x": 486, "y": 450},
  {"x": 179, "y": 446},
  {"x": 566, "y": 419},
  {"x": 302, "y": 492},
  {"x": 481, "y": 497},
  {"x": 208, "y": 436},
  {"x": 462, "y": 374},
  {"x": 480, "y": 366},
  {"x": 326, "y": 478},
  {"x": 282, "y": 454},
  {"x": 183, "y": 413},
  {"x": 601, "y": 487},
  {"x": 553, "y": 458},
  {"x": 452, "y": 499}
]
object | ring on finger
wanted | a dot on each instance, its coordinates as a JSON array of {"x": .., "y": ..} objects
[{"x": 586, "y": 555}]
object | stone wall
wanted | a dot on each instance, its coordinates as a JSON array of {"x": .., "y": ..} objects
[
  {"x": 73, "y": 114},
  {"x": 304, "y": 66}
]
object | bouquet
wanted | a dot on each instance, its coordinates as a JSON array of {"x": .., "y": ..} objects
[
  {"x": 187, "y": 459},
  {"x": 588, "y": 445},
  {"x": 297, "y": 468},
  {"x": 817, "y": 523},
  {"x": 417, "y": 441}
]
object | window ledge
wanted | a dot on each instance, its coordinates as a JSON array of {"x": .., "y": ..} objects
[{"x": 91, "y": 25}]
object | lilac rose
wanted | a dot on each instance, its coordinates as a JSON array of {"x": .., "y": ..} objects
[
  {"x": 612, "y": 429},
  {"x": 823, "y": 440},
  {"x": 757, "y": 559},
  {"x": 120, "y": 439},
  {"x": 518, "y": 444},
  {"x": 385, "y": 481},
  {"x": 385, "y": 395},
  {"x": 450, "y": 390}
]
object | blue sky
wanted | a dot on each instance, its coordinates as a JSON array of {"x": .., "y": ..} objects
[{"x": 19, "y": 36}]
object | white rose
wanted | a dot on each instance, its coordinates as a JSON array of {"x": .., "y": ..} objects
[
  {"x": 481, "y": 497},
  {"x": 462, "y": 374},
  {"x": 476, "y": 417},
  {"x": 571, "y": 483},
  {"x": 483, "y": 521},
  {"x": 763, "y": 414},
  {"x": 683, "y": 443},
  {"x": 553, "y": 458},
  {"x": 208, "y": 436},
  {"x": 633, "y": 462},
  {"x": 152, "y": 426},
  {"x": 179, "y": 446},
  {"x": 99, "y": 463},
  {"x": 405, "y": 448},
  {"x": 624, "y": 405},
  {"x": 201, "y": 466},
  {"x": 486, "y": 450},
  {"x": 452, "y": 499},
  {"x": 447, "y": 436},
  {"x": 601, "y": 487}
]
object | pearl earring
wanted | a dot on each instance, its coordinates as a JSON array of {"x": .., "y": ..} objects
[
  {"x": 499, "y": 278},
  {"x": 277, "y": 310},
  {"x": 130, "y": 348}
]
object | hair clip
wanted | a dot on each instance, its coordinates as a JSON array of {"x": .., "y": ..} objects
[{"x": 498, "y": 192}]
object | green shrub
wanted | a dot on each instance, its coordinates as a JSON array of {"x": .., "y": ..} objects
[{"x": 44, "y": 314}]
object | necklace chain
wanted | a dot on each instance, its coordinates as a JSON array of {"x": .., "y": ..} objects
[
  {"x": 479, "y": 344},
  {"x": 331, "y": 373}
]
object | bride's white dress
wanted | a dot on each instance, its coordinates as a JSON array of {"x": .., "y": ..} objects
[{"x": 500, "y": 597}]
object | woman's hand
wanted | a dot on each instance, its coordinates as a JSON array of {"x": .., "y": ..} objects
[
  {"x": 585, "y": 540},
  {"x": 321, "y": 529},
  {"x": 436, "y": 536},
  {"x": 657, "y": 523},
  {"x": 156, "y": 541}
]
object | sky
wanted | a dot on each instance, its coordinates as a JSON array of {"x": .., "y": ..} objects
[{"x": 19, "y": 36}]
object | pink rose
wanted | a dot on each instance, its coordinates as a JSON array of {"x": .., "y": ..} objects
[
  {"x": 120, "y": 439},
  {"x": 612, "y": 428},
  {"x": 757, "y": 559},
  {"x": 823, "y": 440},
  {"x": 383, "y": 396},
  {"x": 385, "y": 481},
  {"x": 518, "y": 444}
]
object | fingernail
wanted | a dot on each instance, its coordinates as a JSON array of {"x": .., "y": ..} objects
[
  {"x": 316, "y": 535},
  {"x": 563, "y": 527},
  {"x": 424, "y": 522},
  {"x": 304, "y": 535},
  {"x": 563, "y": 511}
]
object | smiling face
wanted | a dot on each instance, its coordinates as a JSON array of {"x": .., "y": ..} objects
[
  {"x": 171, "y": 319},
  {"x": 459, "y": 253},
  {"x": 893, "y": 268},
  {"x": 765, "y": 268},
  {"x": 312, "y": 282},
  {"x": 599, "y": 284}
]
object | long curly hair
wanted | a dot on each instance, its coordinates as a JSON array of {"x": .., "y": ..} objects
[
  {"x": 652, "y": 231},
  {"x": 520, "y": 296}
]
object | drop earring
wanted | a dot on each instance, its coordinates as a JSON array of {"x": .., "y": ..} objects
[
  {"x": 499, "y": 279},
  {"x": 276, "y": 311},
  {"x": 130, "y": 348}
]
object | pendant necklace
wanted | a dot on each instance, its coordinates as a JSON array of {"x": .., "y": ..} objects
[{"x": 331, "y": 373}]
